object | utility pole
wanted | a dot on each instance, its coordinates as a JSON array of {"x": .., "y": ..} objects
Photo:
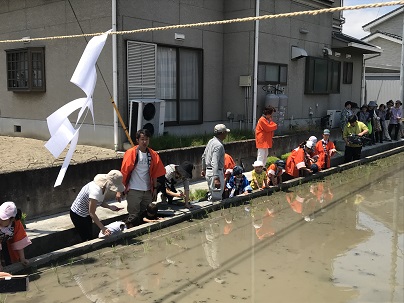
[{"x": 402, "y": 66}]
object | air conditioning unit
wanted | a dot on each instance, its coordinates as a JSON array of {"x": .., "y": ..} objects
[
  {"x": 334, "y": 120},
  {"x": 150, "y": 116}
]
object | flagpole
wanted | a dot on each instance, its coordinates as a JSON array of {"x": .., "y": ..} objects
[{"x": 115, "y": 75}]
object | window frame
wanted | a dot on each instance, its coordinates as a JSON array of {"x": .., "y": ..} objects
[
  {"x": 11, "y": 67},
  {"x": 178, "y": 122},
  {"x": 347, "y": 72},
  {"x": 280, "y": 66},
  {"x": 333, "y": 69}
]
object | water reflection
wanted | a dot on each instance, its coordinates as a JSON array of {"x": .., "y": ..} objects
[
  {"x": 338, "y": 240},
  {"x": 307, "y": 200}
]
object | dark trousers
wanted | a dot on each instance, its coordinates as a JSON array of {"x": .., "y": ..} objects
[
  {"x": 372, "y": 136},
  {"x": 163, "y": 184},
  {"x": 379, "y": 134},
  {"x": 396, "y": 128},
  {"x": 352, "y": 153},
  {"x": 83, "y": 225}
]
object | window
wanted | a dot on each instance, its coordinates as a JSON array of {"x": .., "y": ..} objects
[
  {"x": 173, "y": 74},
  {"x": 26, "y": 69},
  {"x": 179, "y": 83},
  {"x": 272, "y": 73},
  {"x": 347, "y": 73},
  {"x": 334, "y": 68},
  {"x": 322, "y": 76}
]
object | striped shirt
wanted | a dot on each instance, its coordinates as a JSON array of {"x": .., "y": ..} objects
[
  {"x": 213, "y": 156},
  {"x": 81, "y": 203}
]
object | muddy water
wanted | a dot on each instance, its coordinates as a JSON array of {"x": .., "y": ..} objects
[{"x": 335, "y": 240}]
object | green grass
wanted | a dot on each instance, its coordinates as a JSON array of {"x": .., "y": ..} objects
[
  {"x": 197, "y": 194},
  {"x": 168, "y": 141}
]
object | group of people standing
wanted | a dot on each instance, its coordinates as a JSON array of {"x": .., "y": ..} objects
[
  {"x": 383, "y": 121},
  {"x": 374, "y": 122}
]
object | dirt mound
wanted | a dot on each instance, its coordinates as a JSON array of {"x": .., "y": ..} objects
[{"x": 24, "y": 153}]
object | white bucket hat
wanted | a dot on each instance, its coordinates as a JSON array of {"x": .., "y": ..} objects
[
  {"x": 258, "y": 163},
  {"x": 8, "y": 210},
  {"x": 113, "y": 181}
]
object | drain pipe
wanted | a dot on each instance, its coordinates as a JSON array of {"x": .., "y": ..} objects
[
  {"x": 257, "y": 25},
  {"x": 114, "y": 74}
]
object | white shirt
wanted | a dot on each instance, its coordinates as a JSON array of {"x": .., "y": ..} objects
[
  {"x": 81, "y": 203},
  {"x": 114, "y": 227},
  {"x": 170, "y": 174},
  {"x": 140, "y": 178}
]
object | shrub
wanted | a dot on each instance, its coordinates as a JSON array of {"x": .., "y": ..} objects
[
  {"x": 285, "y": 156},
  {"x": 168, "y": 141},
  {"x": 271, "y": 160}
]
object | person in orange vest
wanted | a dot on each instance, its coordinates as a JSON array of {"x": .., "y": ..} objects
[
  {"x": 299, "y": 162},
  {"x": 275, "y": 171},
  {"x": 264, "y": 132},
  {"x": 228, "y": 162},
  {"x": 141, "y": 166},
  {"x": 325, "y": 150}
]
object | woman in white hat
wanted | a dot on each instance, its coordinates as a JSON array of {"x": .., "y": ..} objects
[{"x": 82, "y": 211}]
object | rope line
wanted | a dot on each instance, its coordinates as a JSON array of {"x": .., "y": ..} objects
[{"x": 209, "y": 23}]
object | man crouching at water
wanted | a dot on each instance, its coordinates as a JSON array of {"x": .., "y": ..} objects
[{"x": 352, "y": 130}]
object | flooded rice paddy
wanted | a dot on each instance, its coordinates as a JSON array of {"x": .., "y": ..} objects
[{"x": 334, "y": 240}]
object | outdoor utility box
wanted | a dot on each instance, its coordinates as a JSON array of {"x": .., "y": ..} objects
[
  {"x": 245, "y": 81},
  {"x": 334, "y": 120}
]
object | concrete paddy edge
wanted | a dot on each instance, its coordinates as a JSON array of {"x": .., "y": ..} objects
[{"x": 89, "y": 246}]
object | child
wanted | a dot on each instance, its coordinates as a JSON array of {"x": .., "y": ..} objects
[
  {"x": 150, "y": 215},
  {"x": 326, "y": 149},
  {"x": 259, "y": 178},
  {"x": 227, "y": 175},
  {"x": 114, "y": 228},
  {"x": 238, "y": 183},
  {"x": 275, "y": 171},
  {"x": 13, "y": 237}
]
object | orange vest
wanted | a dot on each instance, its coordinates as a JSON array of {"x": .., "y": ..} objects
[
  {"x": 228, "y": 162},
  {"x": 323, "y": 158},
  {"x": 156, "y": 168},
  {"x": 264, "y": 132},
  {"x": 296, "y": 159}
]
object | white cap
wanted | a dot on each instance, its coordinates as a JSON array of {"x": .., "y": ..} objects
[
  {"x": 313, "y": 139},
  {"x": 221, "y": 128},
  {"x": 309, "y": 144}
]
